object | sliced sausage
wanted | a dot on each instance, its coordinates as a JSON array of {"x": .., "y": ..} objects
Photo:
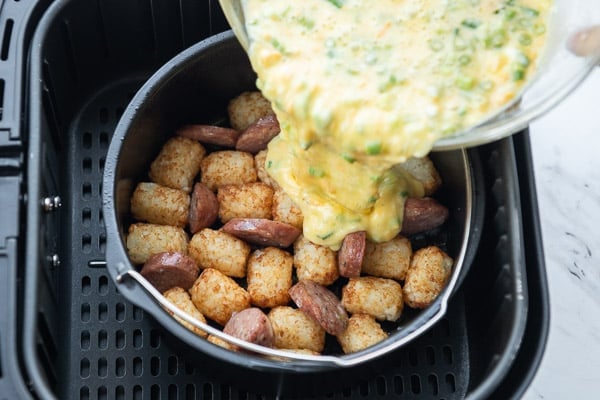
[
  {"x": 170, "y": 269},
  {"x": 251, "y": 325},
  {"x": 351, "y": 254},
  {"x": 210, "y": 134},
  {"x": 422, "y": 214},
  {"x": 320, "y": 304},
  {"x": 256, "y": 137},
  {"x": 263, "y": 232},
  {"x": 204, "y": 208}
]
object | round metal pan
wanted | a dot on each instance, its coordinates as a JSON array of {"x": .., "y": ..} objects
[{"x": 195, "y": 87}]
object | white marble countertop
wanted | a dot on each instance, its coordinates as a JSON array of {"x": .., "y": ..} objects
[{"x": 566, "y": 155}]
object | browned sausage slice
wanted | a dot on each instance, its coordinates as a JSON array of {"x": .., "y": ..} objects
[
  {"x": 170, "y": 269},
  {"x": 264, "y": 232},
  {"x": 204, "y": 208},
  {"x": 351, "y": 254},
  {"x": 251, "y": 325},
  {"x": 320, "y": 304},
  {"x": 210, "y": 134},
  {"x": 258, "y": 135},
  {"x": 423, "y": 214}
]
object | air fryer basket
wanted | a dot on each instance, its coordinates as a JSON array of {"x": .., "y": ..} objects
[{"x": 83, "y": 339}]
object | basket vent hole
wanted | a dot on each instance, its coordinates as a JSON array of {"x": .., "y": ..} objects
[
  {"x": 86, "y": 216},
  {"x": 120, "y": 339},
  {"x": 2, "y": 84},
  {"x": 155, "y": 366},
  {"x": 138, "y": 314},
  {"x": 138, "y": 338},
  {"x": 190, "y": 391},
  {"x": 100, "y": 217},
  {"x": 398, "y": 385},
  {"x": 433, "y": 384},
  {"x": 84, "y": 393},
  {"x": 381, "y": 385},
  {"x": 103, "y": 139},
  {"x": 154, "y": 339},
  {"x": 451, "y": 383},
  {"x": 207, "y": 390},
  {"x": 103, "y": 283},
  {"x": 86, "y": 190},
  {"x": 364, "y": 388},
  {"x": 415, "y": 384},
  {"x": 84, "y": 368},
  {"x": 138, "y": 366},
  {"x": 120, "y": 313},
  {"x": 102, "y": 246},
  {"x": 173, "y": 393},
  {"x": 86, "y": 243},
  {"x": 120, "y": 393},
  {"x": 85, "y": 342},
  {"x": 138, "y": 392},
  {"x": 102, "y": 393},
  {"x": 87, "y": 165},
  {"x": 172, "y": 367},
  {"x": 101, "y": 163},
  {"x": 102, "y": 312},
  {"x": 102, "y": 339},
  {"x": 85, "y": 312},
  {"x": 120, "y": 367},
  {"x": 447, "y": 354},
  {"x": 155, "y": 392},
  {"x": 86, "y": 285},
  {"x": 102, "y": 367},
  {"x": 8, "y": 28},
  {"x": 87, "y": 140}
]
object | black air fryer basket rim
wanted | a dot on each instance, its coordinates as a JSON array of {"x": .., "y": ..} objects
[{"x": 119, "y": 266}]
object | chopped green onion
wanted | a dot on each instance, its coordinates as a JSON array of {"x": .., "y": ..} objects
[
  {"x": 496, "y": 40},
  {"x": 471, "y": 23},
  {"x": 373, "y": 147},
  {"x": 518, "y": 75},
  {"x": 348, "y": 157},
  {"x": 337, "y": 3},
  {"x": 269, "y": 164},
  {"x": 510, "y": 14},
  {"x": 465, "y": 82},
  {"x": 531, "y": 12},
  {"x": 539, "y": 29},
  {"x": 372, "y": 199},
  {"x": 525, "y": 39},
  {"x": 278, "y": 46},
  {"x": 306, "y": 22},
  {"x": 325, "y": 236},
  {"x": 316, "y": 172},
  {"x": 404, "y": 193},
  {"x": 464, "y": 59}
]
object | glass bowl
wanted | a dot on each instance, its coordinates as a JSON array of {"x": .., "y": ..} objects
[{"x": 560, "y": 71}]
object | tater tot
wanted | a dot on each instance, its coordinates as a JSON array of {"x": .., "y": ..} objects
[
  {"x": 388, "y": 259},
  {"x": 220, "y": 342},
  {"x": 260, "y": 159},
  {"x": 362, "y": 332},
  {"x": 423, "y": 170},
  {"x": 182, "y": 300},
  {"x": 221, "y": 251},
  {"x": 145, "y": 240},
  {"x": 250, "y": 200},
  {"x": 178, "y": 163},
  {"x": 159, "y": 204},
  {"x": 246, "y": 108},
  {"x": 295, "y": 330},
  {"x": 269, "y": 277},
  {"x": 426, "y": 277},
  {"x": 285, "y": 210},
  {"x": 378, "y": 297},
  {"x": 314, "y": 262},
  {"x": 218, "y": 296},
  {"x": 227, "y": 167}
]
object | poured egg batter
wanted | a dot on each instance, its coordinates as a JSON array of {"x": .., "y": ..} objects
[{"x": 360, "y": 86}]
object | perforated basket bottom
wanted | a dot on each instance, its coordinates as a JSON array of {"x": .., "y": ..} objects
[{"x": 112, "y": 349}]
